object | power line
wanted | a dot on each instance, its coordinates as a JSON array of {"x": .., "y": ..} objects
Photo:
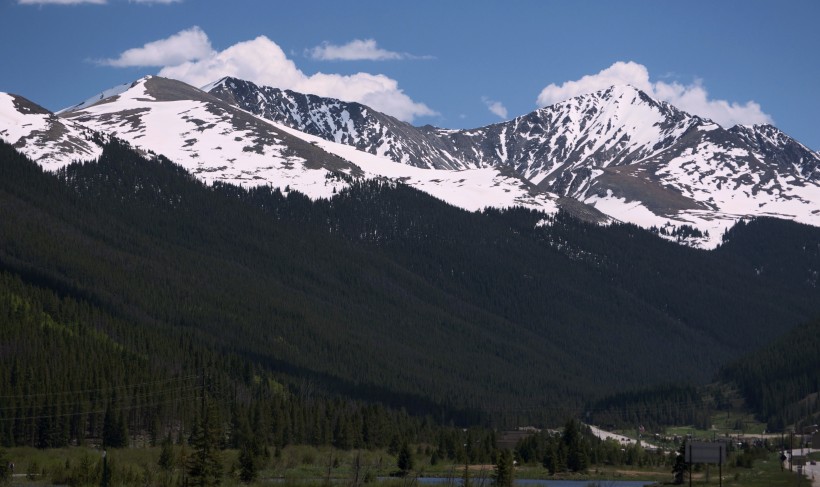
[
  {"x": 99, "y": 411},
  {"x": 131, "y": 398},
  {"x": 615, "y": 409},
  {"x": 101, "y": 389}
]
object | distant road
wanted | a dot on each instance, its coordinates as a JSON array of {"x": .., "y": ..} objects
[
  {"x": 812, "y": 472},
  {"x": 605, "y": 435}
]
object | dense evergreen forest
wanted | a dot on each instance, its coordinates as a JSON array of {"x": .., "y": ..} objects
[
  {"x": 654, "y": 408},
  {"x": 781, "y": 381},
  {"x": 72, "y": 374},
  {"x": 130, "y": 290},
  {"x": 575, "y": 449}
]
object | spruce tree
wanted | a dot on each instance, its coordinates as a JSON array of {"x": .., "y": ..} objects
[
  {"x": 503, "y": 476},
  {"x": 247, "y": 464},
  {"x": 577, "y": 460},
  {"x": 5, "y": 469},
  {"x": 205, "y": 463},
  {"x": 679, "y": 467},
  {"x": 115, "y": 433},
  {"x": 551, "y": 458},
  {"x": 405, "y": 459},
  {"x": 166, "y": 456}
]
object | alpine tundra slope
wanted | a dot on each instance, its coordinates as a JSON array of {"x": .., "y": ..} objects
[
  {"x": 217, "y": 141},
  {"x": 614, "y": 154},
  {"x": 633, "y": 158}
]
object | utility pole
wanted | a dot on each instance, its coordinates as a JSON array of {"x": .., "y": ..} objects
[
  {"x": 782, "y": 451},
  {"x": 720, "y": 464},
  {"x": 104, "y": 481},
  {"x": 791, "y": 449}
]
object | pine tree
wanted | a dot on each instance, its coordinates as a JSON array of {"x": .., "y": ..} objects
[
  {"x": 504, "y": 474},
  {"x": 115, "y": 433},
  {"x": 247, "y": 465},
  {"x": 577, "y": 460},
  {"x": 679, "y": 467},
  {"x": 551, "y": 458},
  {"x": 166, "y": 456},
  {"x": 5, "y": 469},
  {"x": 205, "y": 463},
  {"x": 405, "y": 459}
]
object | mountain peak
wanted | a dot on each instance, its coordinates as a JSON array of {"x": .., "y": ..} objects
[
  {"x": 42, "y": 136},
  {"x": 221, "y": 82},
  {"x": 620, "y": 93},
  {"x": 618, "y": 150},
  {"x": 635, "y": 158},
  {"x": 617, "y": 101},
  {"x": 101, "y": 96},
  {"x": 626, "y": 89}
]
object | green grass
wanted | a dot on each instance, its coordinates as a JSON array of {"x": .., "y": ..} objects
[
  {"x": 766, "y": 473},
  {"x": 138, "y": 467},
  {"x": 723, "y": 424},
  {"x": 737, "y": 423},
  {"x": 313, "y": 467}
]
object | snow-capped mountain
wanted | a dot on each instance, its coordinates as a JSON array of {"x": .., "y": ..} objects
[
  {"x": 217, "y": 141},
  {"x": 347, "y": 123},
  {"x": 615, "y": 153},
  {"x": 44, "y": 137},
  {"x": 634, "y": 158},
  {"x": 109, "y": 93},
  {"x": 213, "y": 140},
  {"x": 647, "y": 162}
]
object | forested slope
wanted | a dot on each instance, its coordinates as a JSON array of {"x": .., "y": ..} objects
[
  {"x": 382, "y": 293},
  {"x": 781, "y": 381}
]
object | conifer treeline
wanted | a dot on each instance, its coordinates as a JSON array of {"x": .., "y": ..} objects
[
  {"x": 66, "y": 382},
  {"x": 575, "y": 449},
  {"x": 781, "y": 381},
  {"x": 652, "y": 409}
]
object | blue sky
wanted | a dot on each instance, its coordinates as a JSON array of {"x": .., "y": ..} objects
[{"x": 453, "y": 64}]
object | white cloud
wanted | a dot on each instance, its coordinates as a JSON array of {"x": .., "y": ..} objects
[
  {"x": 692, "y": 98},
  {"x": 262, "y": 61},
  {"x": 620, "y": 73},
  {"x": 496, "y": 107},
  {"x": 355, "y": 50},
  {"x": 187, "y": 45},
  {"x": 60, "y": 2}
]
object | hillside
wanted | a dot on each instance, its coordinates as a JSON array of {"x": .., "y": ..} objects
[
  {"x": 612, "y": 155},
  {"x": 781, "y": 380},
  {"x": 633, "y": 158},
  {"x": 386, "y": 294}
]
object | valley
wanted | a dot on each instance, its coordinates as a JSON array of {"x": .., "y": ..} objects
[{"x": 304, "y": 278}]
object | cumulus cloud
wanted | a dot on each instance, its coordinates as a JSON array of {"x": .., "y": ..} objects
[
  {"x": 357, "y": 50},
  {"x": 188, "y": 45},
  {"x": 262, "y": 61},
  {"x": 620, "y": 73},
  {"x": 692, "y": 98},
  {"x": 496, "y": 107}
]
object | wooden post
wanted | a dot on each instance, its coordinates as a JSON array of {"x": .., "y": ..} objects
[
  {"x": 687, "y": 451},
  {"x": 720, "y": 465}
]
